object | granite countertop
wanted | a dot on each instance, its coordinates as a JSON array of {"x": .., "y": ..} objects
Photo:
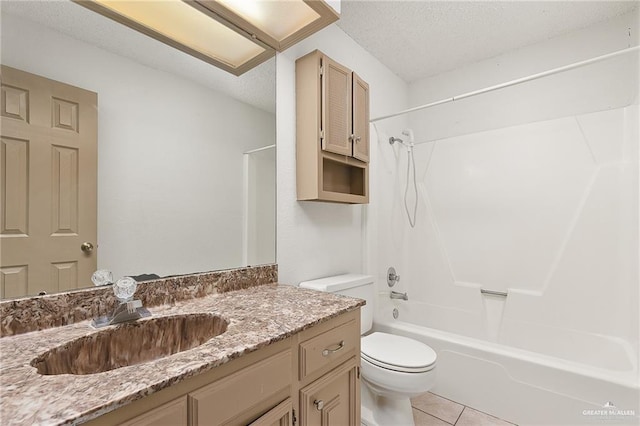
[{"x": 257, "y": 317}]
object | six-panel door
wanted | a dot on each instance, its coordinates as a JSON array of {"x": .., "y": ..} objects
[{"x": 48, "y": 182}]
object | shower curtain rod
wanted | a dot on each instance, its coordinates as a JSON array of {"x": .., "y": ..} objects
[
  {"x": 512, "y": 82},
  {"x": 259, "y": 149}
]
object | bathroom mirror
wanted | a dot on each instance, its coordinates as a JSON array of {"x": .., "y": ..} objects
[{"x": 186, "y": 152}]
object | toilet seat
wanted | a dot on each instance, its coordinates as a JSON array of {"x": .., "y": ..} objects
[{"x": 397, "y": 353}]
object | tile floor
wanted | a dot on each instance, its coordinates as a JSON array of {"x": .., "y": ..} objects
[{"x": 430, "y": 409}]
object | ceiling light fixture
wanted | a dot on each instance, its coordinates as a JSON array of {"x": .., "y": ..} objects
[{"x": 235, "y": 35}]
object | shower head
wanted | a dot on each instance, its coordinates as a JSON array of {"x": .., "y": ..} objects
[
  {"x": 409, "y": 134},
  {"x": 393, "y": 140}
]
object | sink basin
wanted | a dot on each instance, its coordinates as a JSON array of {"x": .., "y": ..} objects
[{"x": 130, "y": 344}]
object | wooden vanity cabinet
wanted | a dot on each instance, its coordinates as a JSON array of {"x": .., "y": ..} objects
[
  {"x": 240, "y": 397},
  {"x": 333, "y": 399},
  {"x": 329, "y": 373},
  {"x": 332, "y": 131},
  {"x": 172, "y": 413},
  {"x": 311, "y": 378},
  {"x": 280, "y": 415}
]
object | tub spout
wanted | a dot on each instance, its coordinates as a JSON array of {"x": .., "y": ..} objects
[{"x": 398, "y": 295}]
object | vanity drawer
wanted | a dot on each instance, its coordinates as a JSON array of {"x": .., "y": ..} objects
[
  {"x": 172, "y": 413},
  {"x": 240, "y": 394},
  {"x": 326, "y": 349}
]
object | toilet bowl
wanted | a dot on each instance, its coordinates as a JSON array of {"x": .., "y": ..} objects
[{"x": 394, "y": 368}]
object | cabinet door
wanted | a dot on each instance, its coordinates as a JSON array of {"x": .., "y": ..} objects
[
  {"x": 360, "y": 119},
  {"x": 336, "y": 107},
  {"x": 280, "y": 415},
  {"x": 172, "y": 413},
  {"x": 333, "y": 399}
]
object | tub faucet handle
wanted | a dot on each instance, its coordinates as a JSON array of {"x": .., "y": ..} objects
[{"x": 392, "y": 277}]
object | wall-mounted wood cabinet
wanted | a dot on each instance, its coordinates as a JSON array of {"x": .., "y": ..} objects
[{"x": 332, "y": 131}]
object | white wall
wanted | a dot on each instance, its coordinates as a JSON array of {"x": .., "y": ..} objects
[
  {"x": 169, "y": 154},
  {"x": 533, "y": 190},
  {"x": 320, "y": 239},
  {"x": 574, "y": 92}
]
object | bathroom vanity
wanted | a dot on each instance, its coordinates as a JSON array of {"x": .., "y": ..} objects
[
  {"x": 288, "y": 356},
  {"x": 287, "y": 380}
]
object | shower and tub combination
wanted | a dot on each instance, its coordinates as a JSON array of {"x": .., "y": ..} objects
[{"x": 516, "y": 235}]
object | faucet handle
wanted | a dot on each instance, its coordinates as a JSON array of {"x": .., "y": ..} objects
[
  {"x": 124, "y": 288},
  {"x": 392, "y": 277},
  {"x": 102, "y": 277}
]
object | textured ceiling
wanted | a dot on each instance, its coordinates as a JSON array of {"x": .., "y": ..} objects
[
  {"x": 256, "y": 87},
  {"x": 417, "y": 39}
]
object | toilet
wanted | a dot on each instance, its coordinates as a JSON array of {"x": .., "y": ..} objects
[{"x": 394, "y": 368}]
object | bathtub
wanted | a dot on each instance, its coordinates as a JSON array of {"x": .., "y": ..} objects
[{"x": 597, "y": 384}]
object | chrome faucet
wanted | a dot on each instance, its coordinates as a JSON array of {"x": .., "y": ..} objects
[
  {"x": 128, "y": 309},
  {"x": 398, "y": 295}
]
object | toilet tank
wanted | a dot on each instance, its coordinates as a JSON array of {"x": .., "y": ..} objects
[{"x": 353, "y": 285}]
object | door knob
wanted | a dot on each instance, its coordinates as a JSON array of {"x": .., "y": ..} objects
[
  {"x": 86, "y": 247},
  {"x": 319, "y": 404}
]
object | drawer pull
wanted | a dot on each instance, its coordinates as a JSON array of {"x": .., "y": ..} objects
[
  {"x": 328, "y": 352},
  {"x": 319, "y": 404}
]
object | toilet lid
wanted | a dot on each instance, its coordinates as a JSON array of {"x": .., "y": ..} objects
[{"x": 397, "y": 353}]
